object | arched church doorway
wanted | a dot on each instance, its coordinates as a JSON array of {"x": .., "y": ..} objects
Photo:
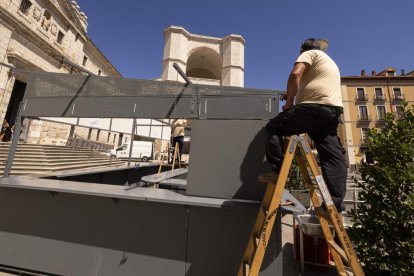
[{"x": 16, "y": 97}]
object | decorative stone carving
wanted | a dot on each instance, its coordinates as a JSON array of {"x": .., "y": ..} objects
[
  {"x": 53, "y": 29},
  {"x": 37, "y": 13}
]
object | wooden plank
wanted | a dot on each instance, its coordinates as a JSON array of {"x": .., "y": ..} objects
[
  {"x": 174, "y": 181},
  {"x": 156, "y": 178}
]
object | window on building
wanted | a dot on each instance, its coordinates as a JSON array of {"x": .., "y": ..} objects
[
  {"x": 60, "y": 37},
  {"x": 397, "y": 93},
  {"x": 46, "y": 20},
  {"x": 113, "y": 142},
  {"x": 363, "y": 112},
  {"x": 109, "y": 137},
  {"x": 99, "y": 72},
  {"x": 85, "y": 60},
  {"x": 364, "y": 135},
  {"x": 25, "y": 6},
  {"x": 379, "y": 95},
  {"x": 398, "y": 111},
  {"x": 361, "y": 94},
  {"x": 381, "y": 112},
  {"x": 391, "y": 73}
]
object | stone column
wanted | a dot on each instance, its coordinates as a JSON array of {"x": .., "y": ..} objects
[
  {"x": 175, "y": 50},
  {"x": 6, "y": 79},
  {"x": 233, "y": 61}
]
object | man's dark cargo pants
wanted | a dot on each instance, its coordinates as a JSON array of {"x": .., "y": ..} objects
[{"x": 320, "y": 122}]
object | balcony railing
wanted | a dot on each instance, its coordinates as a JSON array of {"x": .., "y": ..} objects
[
  {"x": 398, "y": 98},
  {"x": 364, "y": 118},
  {"x": 379, "y": 98},
  {"x": 397, "y": 114},
  {"x": 361, "y": 98},
  {"x": 381, "y": 118},
  {"x": 363, "y": 143}
]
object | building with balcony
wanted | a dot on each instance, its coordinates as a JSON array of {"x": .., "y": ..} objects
[{"x": 367, "y": 98}]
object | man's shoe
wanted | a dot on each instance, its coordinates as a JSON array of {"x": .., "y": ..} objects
[{"x": 268, "y": 177}]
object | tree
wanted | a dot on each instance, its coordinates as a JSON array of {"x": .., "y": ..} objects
[
  {"x": 295, "y": 177},
  {"x": 383, "y": 229}
]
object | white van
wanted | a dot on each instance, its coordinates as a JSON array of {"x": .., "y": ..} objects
[{"x": 141, "y": 150}]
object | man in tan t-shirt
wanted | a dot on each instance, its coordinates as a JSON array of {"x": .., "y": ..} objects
[
  {"x": 315, "y": 82},
  {"x": 177, "y": 134}
]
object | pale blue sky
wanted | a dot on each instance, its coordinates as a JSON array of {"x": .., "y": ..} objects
[{"x": 363, "y": 34}]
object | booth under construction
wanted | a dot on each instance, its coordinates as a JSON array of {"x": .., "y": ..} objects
[{"x": 106, "y": 222}]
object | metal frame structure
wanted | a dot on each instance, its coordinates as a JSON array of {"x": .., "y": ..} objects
[{"x": 62, "y": 226}]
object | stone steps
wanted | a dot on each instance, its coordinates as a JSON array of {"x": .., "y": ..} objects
[
  {"x": 58, "y": 159},
  {"x": 41, "y": 159}
]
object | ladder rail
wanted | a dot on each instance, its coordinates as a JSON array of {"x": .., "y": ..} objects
[
  {"x": 175, "y": 155},
  {"x": 317, "y": 204},
  {"x": 335, "y": 217},
  {"x": 299, "y": 148},
  {"x": 264, "y": 235}
]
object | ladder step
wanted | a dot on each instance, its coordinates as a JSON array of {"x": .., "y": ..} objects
[
  {"x": 256, "y": 239},
  {"x": 339, "y": 250},
  {"x": 246, "y": 267},
  {"x": 265, "y": 209}
]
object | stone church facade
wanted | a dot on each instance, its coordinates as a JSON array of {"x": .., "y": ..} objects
[{"x": 50, "y": 36}]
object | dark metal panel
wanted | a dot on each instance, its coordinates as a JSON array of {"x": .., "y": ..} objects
[
  {"x": 149, "y": 239},
  {"x": 107, "y": 107},
  {"x": 218, "y": 238},
  {"x": 56, "y": 95},
  {"x": 42, "y": 84},
  {"x": 227, "y": 157},
  {"x": 121, "y": 192},
  {"x": 246, "y": 107},
  {"x": 82, "y": 235},
  {"x": 129, "y": 107}
]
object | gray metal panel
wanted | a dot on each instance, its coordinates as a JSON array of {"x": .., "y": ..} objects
[
  {"x": 73, "y": 234},
  {"x": 63, "y": 95},
  {"x": 239, "y": 107},
  {"x": 42, "y": 84},
  {"x": 246, "y": 107},
  {"x": 122, "y": 192},
  {"x": 227, "y": 157},
  {"x": 218, "y": 239},
  {"x": 82, "y": 235}
]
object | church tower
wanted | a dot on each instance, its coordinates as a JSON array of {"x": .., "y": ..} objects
[{"x": 205, "y": 59}]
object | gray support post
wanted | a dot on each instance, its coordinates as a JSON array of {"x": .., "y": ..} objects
[
  {"x": 132, "y": 141},
  {"x": 14, "y": 143}
]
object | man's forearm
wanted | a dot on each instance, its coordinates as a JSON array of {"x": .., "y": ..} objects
[{"x": 292, "y": 89}]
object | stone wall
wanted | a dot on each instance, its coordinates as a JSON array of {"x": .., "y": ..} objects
[{"x": 33, "y": 39}]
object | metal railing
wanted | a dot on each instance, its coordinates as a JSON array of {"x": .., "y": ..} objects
[
  {"x": 79, "y": 142},
  {"x": 361, "y": 98},
  {"x": 379, "y": 98},
  {"x": 364, "y": 117},
  {"x": 363, "y": 143},
  {"x": 354, "y": 201},
  {"x": 398, "y": 97}
]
